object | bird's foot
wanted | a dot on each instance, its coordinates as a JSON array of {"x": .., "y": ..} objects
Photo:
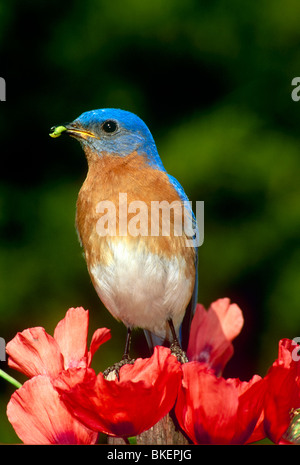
[
  {"x": 113, "y": 372},
  {"x": 177, "y": 351}
]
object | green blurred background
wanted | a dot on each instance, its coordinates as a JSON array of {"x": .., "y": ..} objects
[{"x": 212, "y": 79}]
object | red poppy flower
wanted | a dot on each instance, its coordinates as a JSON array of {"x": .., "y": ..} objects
[
  {"x": 283, "y": 391},
  {"x": 213, "y": 410},
  {"x": 40, "y": 417},
  {"x": 35, "y": 410},
  {"x": 34, "y": 352},
  {"x": 145, "y": 392},
  {"x": 121, "y": 407}
]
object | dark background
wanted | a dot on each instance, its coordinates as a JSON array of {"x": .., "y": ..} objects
[{"x": 212, "y": 79}]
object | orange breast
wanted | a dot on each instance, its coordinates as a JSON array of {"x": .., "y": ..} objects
[{"x": 107, "y": 177}]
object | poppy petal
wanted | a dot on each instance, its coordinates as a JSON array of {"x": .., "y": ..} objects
[
  {"x": 207, "y": 406},
  {"x": 71, "y": 336},
  {"x": 34, "y": 352},
  {"x": 251, "y": 395},
  {"x": 100, "y": 336},
  {"x": 212, "y": 332},
  {"x": 283, "y": 391},
  {"x": 39, "y": 416}
]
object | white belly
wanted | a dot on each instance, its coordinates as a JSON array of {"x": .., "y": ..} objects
[{"x": 143, "y": 289}]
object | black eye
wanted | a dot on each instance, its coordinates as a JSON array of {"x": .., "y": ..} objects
[{"x": 109, "y": 126}]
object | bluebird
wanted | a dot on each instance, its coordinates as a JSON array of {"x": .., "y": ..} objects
[{"x": 145, "y": 280}]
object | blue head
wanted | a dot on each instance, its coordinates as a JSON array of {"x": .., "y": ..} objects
[{"x": 116, "y": 132}]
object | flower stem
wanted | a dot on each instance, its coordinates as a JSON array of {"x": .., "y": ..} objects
[{"x": 10, "y": 379}]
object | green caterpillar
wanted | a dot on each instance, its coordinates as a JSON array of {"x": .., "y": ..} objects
[{"x": 57, "y": 130}]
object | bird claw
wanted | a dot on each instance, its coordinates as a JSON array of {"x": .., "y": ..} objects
[
  {"x": 177, "y": 351},
  {"x": 113, "y": 372}
]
